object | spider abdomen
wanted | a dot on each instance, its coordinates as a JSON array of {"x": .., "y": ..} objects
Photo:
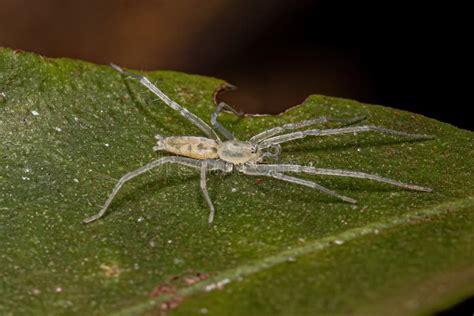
[{"x": 189, "y": 146}]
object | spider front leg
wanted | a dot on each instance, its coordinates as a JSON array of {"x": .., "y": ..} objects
[
  {"x": 297, "y": 125},
  {"x": 224, "y": 131},
  {"x": 338, "y": 131}
]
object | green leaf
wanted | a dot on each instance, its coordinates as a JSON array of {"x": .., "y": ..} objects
[{"x": 70, "y": 129}]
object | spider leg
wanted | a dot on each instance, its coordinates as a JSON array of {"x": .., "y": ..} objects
[
  {"x": 292, "y": 126},
  {"x": 175, "y": 106},
  {"x": 339, "y": 173},
  {"x": 337, "y": 131},
  {"x": 194, "y": 163},
  {"x": 222, "y": 105},
  {"x": 249, "y": 170},
  {"x": 205, "y": 193}
]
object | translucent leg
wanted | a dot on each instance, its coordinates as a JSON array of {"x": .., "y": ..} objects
[
  {"x": 311, "y": 184},
  {"x": 194, "y": 163},
  {"x": 337, "y": 131},
  {"x": 227, "y": 134},
  {"x": 339, "y": 173},
  {"x": 292, "y": 126},
  {"x": 212, "y": 209},
  {"x": 175, "y": 106}
]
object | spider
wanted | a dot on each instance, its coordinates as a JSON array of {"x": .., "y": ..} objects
[{"x": 212, "y": 153}]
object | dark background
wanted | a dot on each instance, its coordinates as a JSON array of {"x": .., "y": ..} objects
[{"x": 404, "y": 54}]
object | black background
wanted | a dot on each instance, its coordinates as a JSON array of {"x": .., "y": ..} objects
[{"x": 404, "y": 54}]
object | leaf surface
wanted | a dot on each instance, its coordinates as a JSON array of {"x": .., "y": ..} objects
[{"x": 71, "y": 129}]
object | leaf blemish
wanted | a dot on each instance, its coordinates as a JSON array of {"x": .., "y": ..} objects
[{"x": 111, "y": 270}]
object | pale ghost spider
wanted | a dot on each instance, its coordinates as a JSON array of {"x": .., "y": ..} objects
[{"x": 211, "y": 153}]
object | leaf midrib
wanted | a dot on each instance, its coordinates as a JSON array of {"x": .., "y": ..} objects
[{"x": 426, "y": 214}]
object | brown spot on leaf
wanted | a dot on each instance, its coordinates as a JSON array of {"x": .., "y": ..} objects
[
  {"x": 171, "y": 290},
  {"x": 175, "y": 277},
  {"x": 198, "y": 277},
  {"x": 171, "y": 304},
  {"x": 163, "y": 288}
]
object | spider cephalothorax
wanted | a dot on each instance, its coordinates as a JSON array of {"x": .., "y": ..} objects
[{"x": 211, "y": 153}]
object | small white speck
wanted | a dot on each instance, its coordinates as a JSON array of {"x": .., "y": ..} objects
[
  {"x": 219, "y": 285},
  {"x": 58, "y": 289},
  {"x": 106, "y": 145},
  {"x": 2, "y": 94},
  {"x": 58, "y": 129},
  {"x": 291, "y": 259},
  {"x": 35, "y": 113},
  {"x": 233, "y": 190},
  {"x": 35, "y": 291},
  {"x": 152, "y": 243},
  {"x": 338, "y": 242},
  {"x": 140, "y": 219},
  {"x": 25, "y": 178},
  {"x": 170, "y": 241},
  {"x": 358, "y": 149},
  {"x": 27, "y": 170},
  {"x": 203, "y": 310},
  {"x": 178, "y": 261},
  {"x": 76, "y": 119},
  {"x": 376, "y": 231},
  {"x": 75, "y": 180}
]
